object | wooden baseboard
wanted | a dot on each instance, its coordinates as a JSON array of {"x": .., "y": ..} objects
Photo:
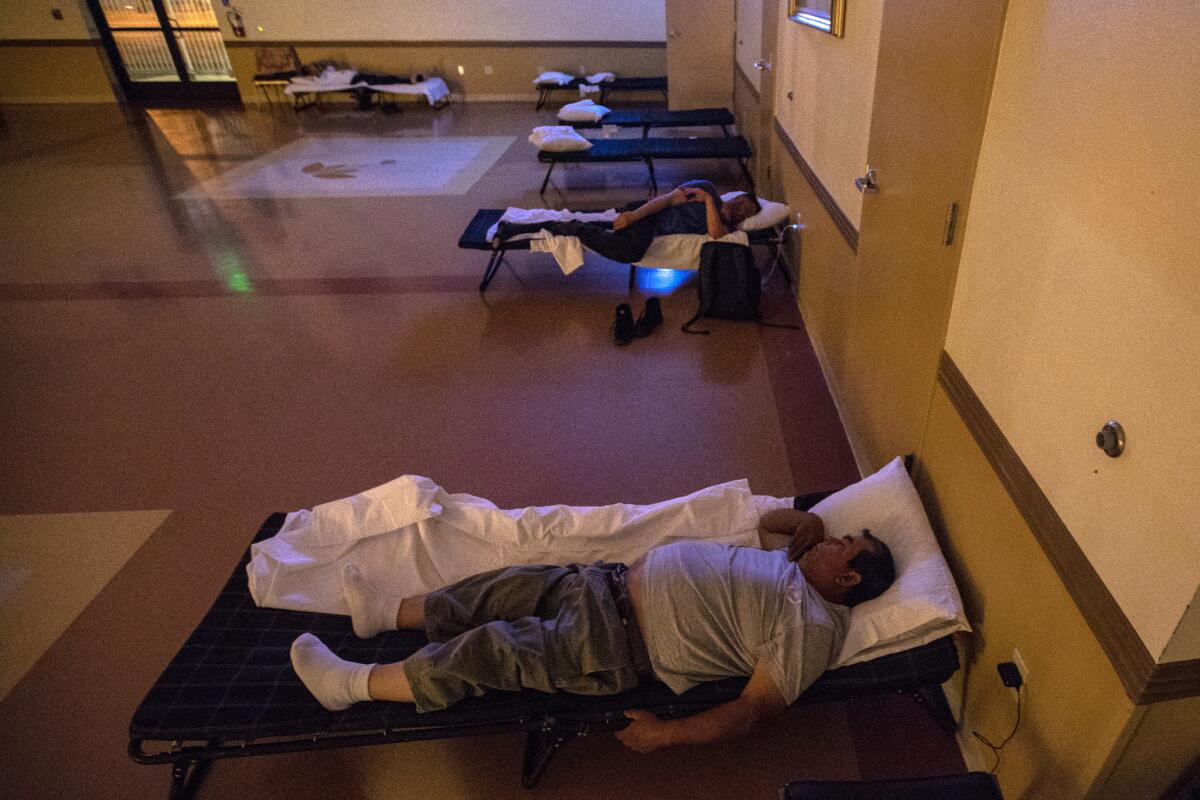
[{"x": 843, "y": 223}]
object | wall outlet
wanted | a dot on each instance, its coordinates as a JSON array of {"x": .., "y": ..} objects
[
  {"x": 582, "y": 69},
  {"x": 56, "y": 13},
  {"x": 462, "y": 70},
  {"x": 1020, "y": 662},
  {"x": 487, "y": 69}
]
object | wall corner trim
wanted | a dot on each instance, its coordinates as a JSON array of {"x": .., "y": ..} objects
[
  {"x": 1144, "y": 680},
  {"x": 843, "y": 223}
]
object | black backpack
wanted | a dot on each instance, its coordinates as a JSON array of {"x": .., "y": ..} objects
[{"x": 729, "y": 284}]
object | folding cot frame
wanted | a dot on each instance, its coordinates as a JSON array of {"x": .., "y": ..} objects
[
  {"x": 647, "y": 149},
  {"x": 654, "y": 84},
  {"x": 661, "y": 118},
  {"x": 475, "y": 238},
  {"x": 230, "y": 692}
]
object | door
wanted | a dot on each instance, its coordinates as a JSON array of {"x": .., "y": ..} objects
[
  {"x": 700, "y": 53},
  {"x": 166, "y": 52},
  {"x": 932, "y": 86}
]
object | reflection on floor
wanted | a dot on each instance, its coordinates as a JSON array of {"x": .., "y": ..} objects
[
  {"x": 361, "y": 166},
  {"x": 228, "y": 356}
]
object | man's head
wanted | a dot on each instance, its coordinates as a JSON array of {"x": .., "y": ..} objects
[
  {"x": 850, "y": 570},
  {"x": 738, "y": 209}
]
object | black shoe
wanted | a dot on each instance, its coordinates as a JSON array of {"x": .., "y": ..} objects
[
  {"x": 650, "y": 319},
  {"x": 622, "y": 327}
]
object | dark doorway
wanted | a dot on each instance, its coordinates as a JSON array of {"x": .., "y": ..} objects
[{"x": 166, "y": 53}]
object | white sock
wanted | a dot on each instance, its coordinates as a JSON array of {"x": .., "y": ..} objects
[
  {"x": 371, "y": 613},
  {"x": 335, "y": 682}
]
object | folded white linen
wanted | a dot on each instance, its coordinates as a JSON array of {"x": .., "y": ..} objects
[
  {"x": 600, "y": 77},
  {"x": 588, "y": 88},
  {"x": 558, "y": 138},
  {"x": 446, "y": 537},
  {"x": 434, "y": 89},
  {"x": 331, "y": 79},
  {"x": 560, "y": 78},
  {"x": 587, "y": 110}
]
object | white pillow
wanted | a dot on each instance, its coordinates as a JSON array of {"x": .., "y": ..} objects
[
  {"x": 923, "y": 604},
  {"x": 582, "y": 111},
  {"x": 769, "y": 215},
  {"x": 559, "y": 78},
  {"x": 558, "y": 139}
]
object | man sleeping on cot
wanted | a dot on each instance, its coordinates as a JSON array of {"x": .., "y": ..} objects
[
  {"x": 693, "y": 207},
  {"x": 683, "y": 613}
]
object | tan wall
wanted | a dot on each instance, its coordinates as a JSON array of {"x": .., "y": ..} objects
[
  {"x": 54, "y": 74},
  {"x": 483, "y": 20},
  {"x": 832, "y": 83},
  {"x": 1164, "y": 743},
  {"x": 1074, "y": 707},
  {"x": 21, "y": 19},
  {"x": 1077, "y": 290},
  {"x": 513, "y": 67}
]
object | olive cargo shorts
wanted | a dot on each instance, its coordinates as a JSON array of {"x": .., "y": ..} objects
[{"x": 540, "y": 627}]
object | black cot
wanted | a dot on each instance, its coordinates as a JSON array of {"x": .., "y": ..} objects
[
  {"x": 657, "y": 83},
  {"x": 646, "y": 150},
  {"x": 647, "y": 118},
  {"x": 230, "y": 692},
  {"x": 475, "y": 237}
]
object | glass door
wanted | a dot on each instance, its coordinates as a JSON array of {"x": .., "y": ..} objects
[{"x": 166, "y": 52}]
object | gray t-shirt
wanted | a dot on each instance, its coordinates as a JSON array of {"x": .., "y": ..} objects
[{"x": 713, "y": 611}]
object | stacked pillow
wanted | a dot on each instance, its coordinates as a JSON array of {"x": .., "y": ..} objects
[
  {"x": 559, "y": 78},
  {"x": 558, "y": 139},
  {"x": 923, "y": 603},
  {"x": 770, "y": 215},
  {"x": 582, "y": 111}
]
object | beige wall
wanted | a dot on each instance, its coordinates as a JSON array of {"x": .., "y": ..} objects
[
  {"x": 1077, "y": 293},
  {"x": 483, "y": 20},
  {"x": 832, "y": 83},
  {"x": 57, "y": 74},
  {"x": 749, "y": 47},
  {"x": 22, "y": 19}
]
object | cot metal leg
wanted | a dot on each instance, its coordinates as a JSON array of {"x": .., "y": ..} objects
[
  {"x": 543, "y": 94},
  {"x": 546, "y": 182},
  {"x": 725, "y": 130},
  {"x": 933, "y": 700},
  {"x": 492, "y": 267},
  {"x": 186, "y": 776},
  {"x": 540, "y": 747},
  {"x": 632, "y": 275},
  {"x": 653, "y": 177}
]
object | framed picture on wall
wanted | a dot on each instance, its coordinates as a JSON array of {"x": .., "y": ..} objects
[{"x": 824, "y": 15}]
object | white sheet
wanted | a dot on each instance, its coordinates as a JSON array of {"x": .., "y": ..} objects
[
  {"x": 412, "y": 536},
  {"x": 339, "y": 80},
  {"x": 434, "y": 89}
]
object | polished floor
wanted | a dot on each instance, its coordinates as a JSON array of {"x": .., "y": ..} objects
[{"x": 181, "y": 358}]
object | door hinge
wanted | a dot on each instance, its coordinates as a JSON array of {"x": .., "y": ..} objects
[{"x": 951, "y": 224}]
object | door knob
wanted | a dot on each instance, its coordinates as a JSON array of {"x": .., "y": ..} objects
[
  {"x": 762, "y": 64},
  {"x": 866, "y": 184}
]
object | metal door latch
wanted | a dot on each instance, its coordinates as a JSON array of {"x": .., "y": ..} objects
[{"x": 866, "y": 184}]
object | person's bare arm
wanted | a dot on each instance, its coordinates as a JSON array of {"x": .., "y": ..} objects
[
  {"x": 797, "y": 531},
  {"x": 760, "y": 699},
  {"x": 672, "y": 198},
  {"x": 712, "y": 214}
]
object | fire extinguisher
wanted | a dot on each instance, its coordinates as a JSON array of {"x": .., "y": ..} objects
[{"x": 235, "y": 21}]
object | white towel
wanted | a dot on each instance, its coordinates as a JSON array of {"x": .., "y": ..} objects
[
  {"x": 567, "y": 250},
  {"x": 526, "y": 216},
  {"x": 601, "y": 77},
  {"x": 434, "y": 89},
  {"x": 588, "y": 88},
  {"x": 682, "y": 250},
  {"x": 441, "y": 538}
]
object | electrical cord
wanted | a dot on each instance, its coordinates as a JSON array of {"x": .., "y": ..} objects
[{"x": 997, "y": 748}]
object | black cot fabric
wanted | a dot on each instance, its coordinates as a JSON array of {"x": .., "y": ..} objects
[
  {"x": 657, "y": 83},
  {"x": 232, "y": 681},
  {"x": 475, "y": 235},
  {"x": 661, "y": 118},
  {"x": 606, "y": 150}
]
